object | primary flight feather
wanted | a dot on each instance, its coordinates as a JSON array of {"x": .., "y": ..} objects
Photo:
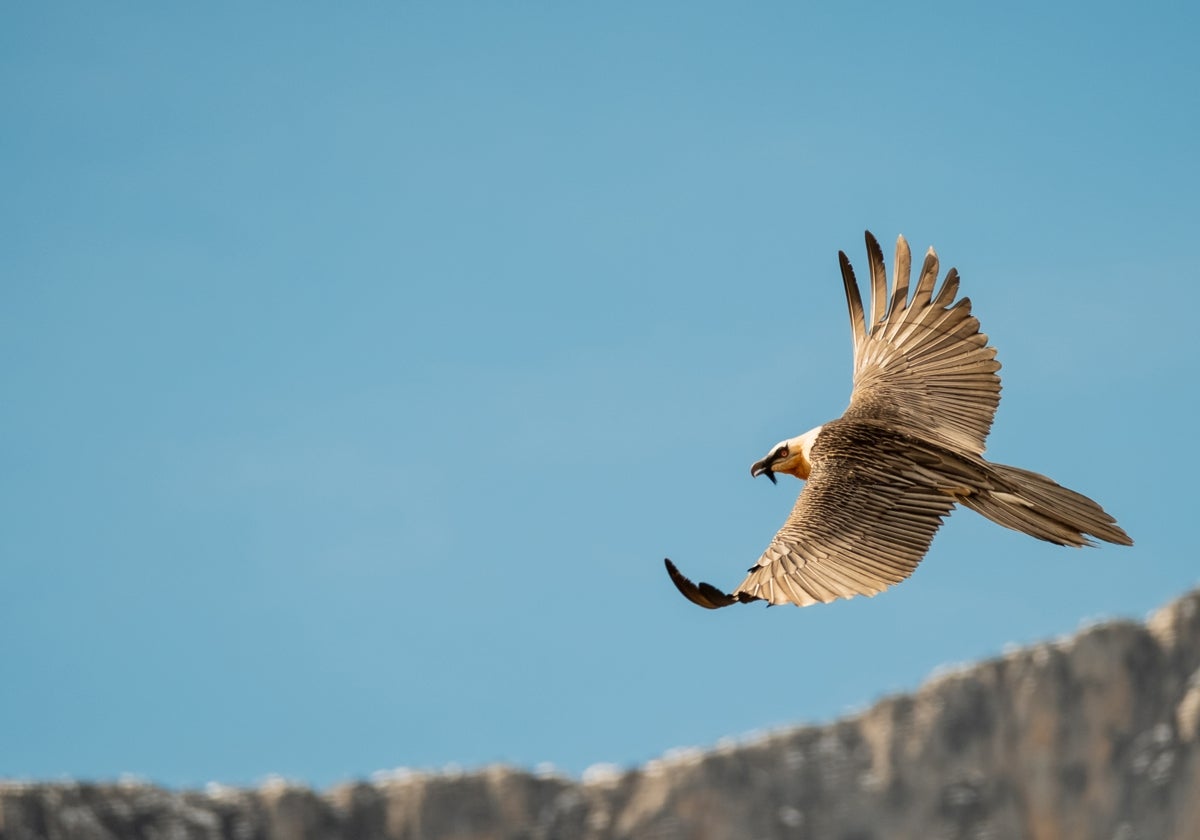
[{"x": 880, "y": 479}]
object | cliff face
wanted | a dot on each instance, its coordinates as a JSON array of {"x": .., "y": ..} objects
[{"x": 1094, "y": 737}]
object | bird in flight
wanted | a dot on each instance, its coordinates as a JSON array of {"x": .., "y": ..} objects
[{"x": 879, "y": 480}]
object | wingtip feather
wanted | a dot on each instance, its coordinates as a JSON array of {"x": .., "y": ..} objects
[{"x": 703, "y": 594}]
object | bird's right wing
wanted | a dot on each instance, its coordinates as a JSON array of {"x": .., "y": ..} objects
[
  {"x": 920, "y": 365},
  {"x": 863, "y": 521}
]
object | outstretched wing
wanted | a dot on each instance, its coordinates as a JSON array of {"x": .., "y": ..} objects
[
  {"x": 920, "y": 365},
  {"x": 863, "y": 521}
]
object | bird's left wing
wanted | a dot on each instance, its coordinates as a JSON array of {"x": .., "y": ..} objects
[
  {"x": 863, "y": 522},
  {"x": 920, "y": 362}
]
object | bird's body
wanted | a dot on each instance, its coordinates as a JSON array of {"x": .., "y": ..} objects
[{"x": 908, "y": 449}]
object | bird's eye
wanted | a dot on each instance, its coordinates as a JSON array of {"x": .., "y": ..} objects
[{"x": 781, "y": 452}]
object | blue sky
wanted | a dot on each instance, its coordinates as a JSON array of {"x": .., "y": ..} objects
[{"x": 359, "y": 369}]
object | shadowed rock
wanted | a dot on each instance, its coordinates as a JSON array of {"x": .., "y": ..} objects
[{"x": 1097, "y": 736}]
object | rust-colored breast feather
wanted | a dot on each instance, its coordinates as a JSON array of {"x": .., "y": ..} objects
[
  {"x": 907, "y": 450},
  {"x": 863, "y": 522}
]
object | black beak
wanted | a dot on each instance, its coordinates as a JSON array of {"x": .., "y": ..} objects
[{"x": 763, "y": 467}]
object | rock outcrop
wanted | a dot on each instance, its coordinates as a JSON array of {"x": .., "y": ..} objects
[{"x": 1096, "y": 736}]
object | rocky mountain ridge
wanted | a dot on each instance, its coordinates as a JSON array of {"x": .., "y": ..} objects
[{"x": 1094, "y": 736}]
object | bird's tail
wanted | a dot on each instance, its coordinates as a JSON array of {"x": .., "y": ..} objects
[{"x": 1033, "y": 504}]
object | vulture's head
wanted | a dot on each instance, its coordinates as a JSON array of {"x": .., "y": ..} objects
[{"x": 789, "y": 456}]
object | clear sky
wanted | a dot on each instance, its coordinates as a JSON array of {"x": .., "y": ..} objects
[{"x": 359, "y": 368}]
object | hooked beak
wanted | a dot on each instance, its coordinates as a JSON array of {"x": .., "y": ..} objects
[{"x": 763, "y": 467}]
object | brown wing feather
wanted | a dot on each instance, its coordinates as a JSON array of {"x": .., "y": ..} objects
[
  {"x": 878, "y": 280},
  {"x": 858, "y": 321},
  {"x": 863, "y": 522},
  {"x": 902, "y": 273},
  {"x": 922, "y": 366},
  {"x": 906, "y": 451}
]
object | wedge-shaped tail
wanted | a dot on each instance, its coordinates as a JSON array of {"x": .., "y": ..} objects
[
  {"x": 909, "y": 448},
  {"x": 1036, "y": 505}
]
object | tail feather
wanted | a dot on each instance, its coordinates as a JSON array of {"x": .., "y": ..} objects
[{"x": 1034, "y": 504}]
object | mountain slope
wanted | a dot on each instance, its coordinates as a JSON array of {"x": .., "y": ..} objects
[{"x": 1096, "y": 736}]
